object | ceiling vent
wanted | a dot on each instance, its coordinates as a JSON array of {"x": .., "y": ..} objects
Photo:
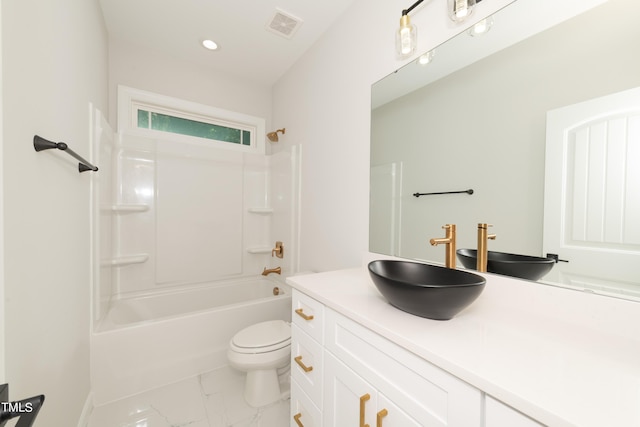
[{"x": 284, "y": 24}]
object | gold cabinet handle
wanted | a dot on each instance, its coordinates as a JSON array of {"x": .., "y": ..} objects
[
  {"x": 300, "y": 313},
  {"x": 363, "y": 400},
  {"x": 296, "y": 418},
  {"x": 380, "y": 416},
  {"x": 304, "y": 367}
]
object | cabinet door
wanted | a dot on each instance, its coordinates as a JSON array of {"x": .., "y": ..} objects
[
  {"x": 348, "y": 399},
  {"x": 351, "y": 401},
  {"x": 389, "y": 414},
  {"x": 497, "y": 414}
]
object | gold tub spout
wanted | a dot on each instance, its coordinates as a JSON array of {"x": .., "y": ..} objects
[{"x": 268, "y": 271}]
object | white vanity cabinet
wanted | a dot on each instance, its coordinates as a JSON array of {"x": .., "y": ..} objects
[
  {"x": 350, "y": 375},
  {"x": 523, "y": 355},
  {"x": 352, "y": 401},
  {"x": 307, "y": 361},
  {"x": 304, "y": 413},
  {"x": 407, "y": 389},
  {"x": 497, "y": 414}
]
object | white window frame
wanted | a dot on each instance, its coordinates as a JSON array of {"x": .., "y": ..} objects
[{"x": 131, "y": 100}]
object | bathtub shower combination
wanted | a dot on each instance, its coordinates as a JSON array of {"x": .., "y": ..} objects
[
  {"x": 148, "y": 341},
  {"x": 181, "y": 233}
]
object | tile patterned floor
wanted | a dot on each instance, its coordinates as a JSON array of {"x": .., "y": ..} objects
[{"x": 213, "y": 399}]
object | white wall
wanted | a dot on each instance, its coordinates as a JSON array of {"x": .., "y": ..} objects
[
  {"x": 324, "y": 102},
  {"x": 55, "y": 60},
  {"x": 2, "y": 322},
  {"x": 150, "y": 71}
]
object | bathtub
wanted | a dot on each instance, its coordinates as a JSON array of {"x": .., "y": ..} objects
[{"x": 145, "y": 342}]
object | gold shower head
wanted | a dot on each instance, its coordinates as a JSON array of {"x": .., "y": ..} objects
[{"x": 273, "y": 136}]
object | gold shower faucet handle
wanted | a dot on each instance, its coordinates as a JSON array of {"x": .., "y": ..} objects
[{"x": 278, "y": 250}]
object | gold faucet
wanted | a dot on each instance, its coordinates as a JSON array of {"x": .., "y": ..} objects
[
  {"x": 482, "y": 254},
  {"x": 450, "y": 241},
  {"x": 278, "y": 250},
  {"x": 268, "y": 271}
]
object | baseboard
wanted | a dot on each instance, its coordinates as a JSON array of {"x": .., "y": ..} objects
[{"x": 86, "y": 411}]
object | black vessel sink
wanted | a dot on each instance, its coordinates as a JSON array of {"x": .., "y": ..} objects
[
  {"x": 522, "y": 266},
  {"x": 424, "y": 290}
]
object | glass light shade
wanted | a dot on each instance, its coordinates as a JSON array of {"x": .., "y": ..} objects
[
  {"x": 425, "y": 58},
  {"x": 459, "y": 10},
  {"x": 406, "y": 37},
  {"x": 481, "y": 27}
]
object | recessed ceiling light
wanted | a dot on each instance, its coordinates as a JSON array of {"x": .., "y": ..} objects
[{"x": 210, "y": 44}]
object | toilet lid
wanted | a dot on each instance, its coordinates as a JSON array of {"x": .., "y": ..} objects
[{"x": 264, "y": 334}]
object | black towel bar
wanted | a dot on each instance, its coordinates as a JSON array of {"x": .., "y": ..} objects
[
  {"x": 25, "y": 410},
  {"x": 469, "y": 191},
  {"x": 40, "y": 144}
]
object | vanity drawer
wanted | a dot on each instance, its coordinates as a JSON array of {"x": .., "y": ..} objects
[
  {"x": 430, "y": 395},
  {"x": 303, "y": 411},
  {"x": 307, "y": 366},
  {"x": 308, "y": 314}
]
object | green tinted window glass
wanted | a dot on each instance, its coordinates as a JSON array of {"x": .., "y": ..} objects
[
  {"x": 143, "y": 119},
  {"x": 172, "y": 124}
]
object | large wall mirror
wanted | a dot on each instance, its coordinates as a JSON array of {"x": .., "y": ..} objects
[{"x": 478, "y": 116}]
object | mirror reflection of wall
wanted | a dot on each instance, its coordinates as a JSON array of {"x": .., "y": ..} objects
[{"x": 483, "y": 127}]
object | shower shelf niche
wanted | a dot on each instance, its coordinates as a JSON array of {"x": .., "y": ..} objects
[
  {"x": 263, "y": 211},
  {"x": 129, "y": 208},
  {"x": 260, "y": 250},
  {"x": 128, "y": 260}
]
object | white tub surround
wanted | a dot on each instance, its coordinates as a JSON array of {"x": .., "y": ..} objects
[
  {"x": 561, "y": 357},
  {"x": 169, "y": 225},
  {"x": 175, "y": 213}
]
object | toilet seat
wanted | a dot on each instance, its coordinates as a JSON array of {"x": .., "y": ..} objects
[{"x": 263, "y": 337}]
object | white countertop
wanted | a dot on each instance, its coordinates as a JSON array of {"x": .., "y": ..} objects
[{"x": 563, "y": 357}]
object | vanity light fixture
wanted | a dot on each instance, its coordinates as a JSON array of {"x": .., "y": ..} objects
[
  {"x": 482, "y": 27},
  {"x": 426, "y": 58},
  {"x": 459, "y": 10},
  {"x": 406, "y": 36}
]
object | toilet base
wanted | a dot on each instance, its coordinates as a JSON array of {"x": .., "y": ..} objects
[
  {"x": 262, "y": 388},
  {"x": 285, "y": 390}
]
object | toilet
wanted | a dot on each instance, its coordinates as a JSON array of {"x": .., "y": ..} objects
[{"x": 263, "y": 351}]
